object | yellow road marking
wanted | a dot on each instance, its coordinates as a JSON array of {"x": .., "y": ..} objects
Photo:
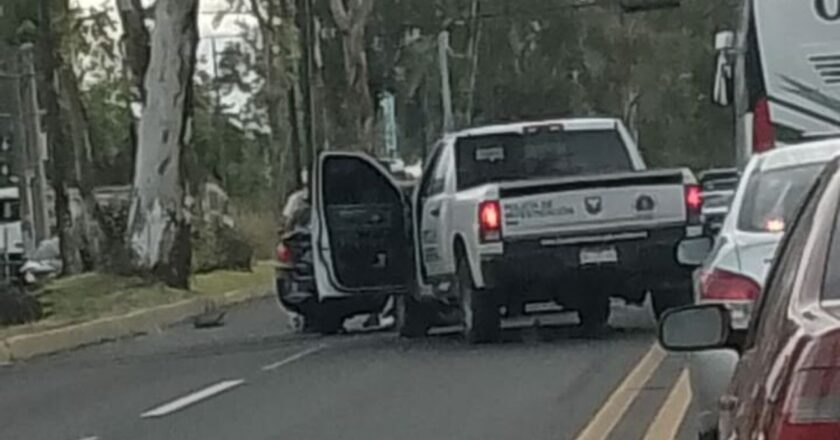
[
  {"x": 668, "y": 421},
  {"x": 616, "y": 405}
]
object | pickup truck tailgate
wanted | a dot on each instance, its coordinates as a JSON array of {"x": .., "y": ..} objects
[{"x": 627, "y": 201}]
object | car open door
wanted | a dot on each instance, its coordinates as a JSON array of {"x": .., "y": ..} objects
[{"x": 361, "y": 228}]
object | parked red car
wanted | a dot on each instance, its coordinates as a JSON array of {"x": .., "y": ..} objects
[{"x": 786, "y": 385}]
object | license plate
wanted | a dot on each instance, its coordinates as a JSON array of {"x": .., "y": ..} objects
[{"x": 598, "y": 255}]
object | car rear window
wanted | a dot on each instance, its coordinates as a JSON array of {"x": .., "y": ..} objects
[
  {"x": 774, "y": 196},
  {"x": 514, "y": 156}
]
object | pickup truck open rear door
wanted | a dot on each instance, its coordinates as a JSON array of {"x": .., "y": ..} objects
[{"x": 361, "y": 228}]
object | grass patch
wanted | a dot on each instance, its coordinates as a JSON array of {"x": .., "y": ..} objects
[{"x": 94, "y": 295}]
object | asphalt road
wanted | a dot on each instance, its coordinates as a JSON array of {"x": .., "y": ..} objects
[{"x": 254, "y": 379}]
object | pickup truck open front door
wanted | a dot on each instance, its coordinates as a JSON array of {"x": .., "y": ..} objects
[{"x": 361, "y": 228}]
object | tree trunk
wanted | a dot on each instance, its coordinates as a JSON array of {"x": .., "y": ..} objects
[
  {"x": 295, "y": 144},
  {"x": 351, "y": 21},
  {"x": 85, "y": 225},
  {"x": 136, "y": 44},
  {"x": 159, "y": 229},
  {"x": 58, "y": 144}
]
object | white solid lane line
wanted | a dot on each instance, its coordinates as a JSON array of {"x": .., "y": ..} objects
[
  {"x": 192, "y": 398},
  {"x": 293, "y": 358},
  {"x": 93, "y": 437},
  {"x": 607, "y": 418},
  {"x": 670, "y": 417}
]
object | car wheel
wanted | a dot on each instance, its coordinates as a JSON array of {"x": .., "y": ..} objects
[
  {"x": 595, "y": 313},
  {"x": 413, "y": 317},
  {"x": 326, "y": 321},
  {"x": 664, "y": 300},
  {"x": 479, "y": 309}
]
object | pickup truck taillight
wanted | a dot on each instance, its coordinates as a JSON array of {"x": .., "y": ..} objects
[
  {"x": 693, "y": 203},
  {"x": 722, "y": 285},
  {"x": 764, "y": 134},
  {"x": 489, "y": 221},
  {"x": 812, "y": 404}
]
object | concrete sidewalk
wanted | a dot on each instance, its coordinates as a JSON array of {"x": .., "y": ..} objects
[{"x": 41, "y": 341}]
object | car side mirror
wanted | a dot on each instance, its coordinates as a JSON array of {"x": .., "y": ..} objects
[
  {"x": 695, "y": 328},
  {"x": 693, "y": 251},
  {"x": 723, "y": 88}
]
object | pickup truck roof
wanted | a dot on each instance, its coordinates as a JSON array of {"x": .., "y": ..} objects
[{"x": 519, "y": 127}]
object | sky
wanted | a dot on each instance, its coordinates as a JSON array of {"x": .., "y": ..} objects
[{"x": 226, "y": 30}]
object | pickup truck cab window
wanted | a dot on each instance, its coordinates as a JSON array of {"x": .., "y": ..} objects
[
  {"x": 442, "y": 168},
  {"x": 543, "y": 154}
]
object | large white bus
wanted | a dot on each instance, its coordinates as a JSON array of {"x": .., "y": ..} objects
[{"x": 780, "y": 72}]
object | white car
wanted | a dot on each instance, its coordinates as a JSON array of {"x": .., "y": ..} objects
[{"x": 772, "y": 187}]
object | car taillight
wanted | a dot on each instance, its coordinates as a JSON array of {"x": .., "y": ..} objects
[
  {"x": 812, "y": 405},
  {"x": 284, "y": 255},
  {"x": 490, "y": 220},
  {"x": 764, "y": 135},
  {"x": 693, "y": 202},
  {"x": 719, "y": 284}
]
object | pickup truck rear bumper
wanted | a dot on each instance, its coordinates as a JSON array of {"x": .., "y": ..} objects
[{"x": 541, "y": 267}]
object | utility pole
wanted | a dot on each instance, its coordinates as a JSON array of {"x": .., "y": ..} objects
[
  {"x": 33, "y": 145},
  {"x": 445, "y": 86},
  {"x": 472, "y": 54},
  {"x": 306, "y": 79}
]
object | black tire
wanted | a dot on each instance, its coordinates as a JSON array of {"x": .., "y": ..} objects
[
  {"x": 666, "y": 299},
  {"x": 413, "y": 317},
  {"x": 595, "y": 312},
  {"x": 325, "y": 321},
  {"x": 482, "y": 321}
]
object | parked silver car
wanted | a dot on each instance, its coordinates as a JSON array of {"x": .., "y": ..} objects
[{"x": 772, "y": 187}]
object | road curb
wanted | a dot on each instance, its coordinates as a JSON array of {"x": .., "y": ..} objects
[{"x": 27, "y": 346}]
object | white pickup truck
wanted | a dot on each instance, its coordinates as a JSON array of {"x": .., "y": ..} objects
[{"x": 506, "y": 215}]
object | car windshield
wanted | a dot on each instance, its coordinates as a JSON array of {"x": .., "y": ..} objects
[
  {"x": 772, "y": 197},
  {"x": 505, "y": 157}
]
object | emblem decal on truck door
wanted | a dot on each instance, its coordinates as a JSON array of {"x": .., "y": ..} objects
[{"x": 593, "y": 205}]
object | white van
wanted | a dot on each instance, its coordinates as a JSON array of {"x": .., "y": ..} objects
[{"x": 780, "y": 71}]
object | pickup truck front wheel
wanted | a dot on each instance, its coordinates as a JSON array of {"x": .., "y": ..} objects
[
  {"x": 480, "y": 310},
  {"x": 413, "y": 317}
]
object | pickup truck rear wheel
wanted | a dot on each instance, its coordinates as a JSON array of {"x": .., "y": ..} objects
[
  {"x": 413, "y": 317},
  {"x": 595, "y": 313},
  {"x": 480, "y": 310}
]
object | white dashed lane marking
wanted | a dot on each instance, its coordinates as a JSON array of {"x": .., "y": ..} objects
[
  {"x": 192, "y": 398},
  {"x": 293, "y": 358}
]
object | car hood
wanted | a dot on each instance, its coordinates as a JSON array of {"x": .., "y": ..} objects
[{"x": 755, "y": 253}]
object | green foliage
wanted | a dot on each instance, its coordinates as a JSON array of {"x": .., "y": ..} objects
[
  {"x": 109, "y": 116},
  {"x": 542, "y": 59},
  {"x": 19, "y": 22},
  {"x": 219, "y": 246}
]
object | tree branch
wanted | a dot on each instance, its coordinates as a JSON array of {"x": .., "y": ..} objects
[
  {"x": 361, "y": 11},
  {"x": 263, "y": 21},
  {"x": 340, "y": 15}
]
